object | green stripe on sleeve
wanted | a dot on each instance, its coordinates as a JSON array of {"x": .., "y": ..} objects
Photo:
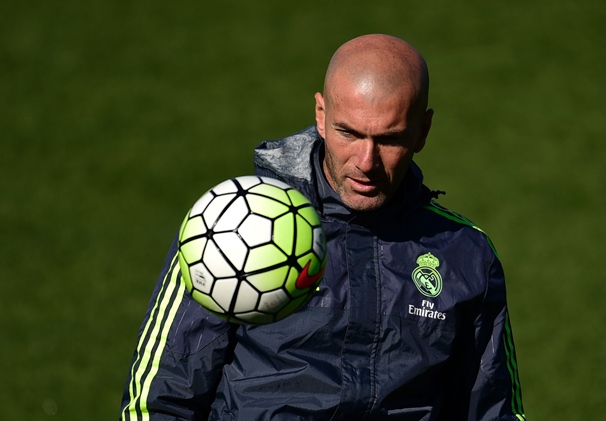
[
  {"x": 512, "y": 366},
  {"x": 152, "y": 343},
  {"x": 155, "y": 360},
  {"x": 453, "y": 216}
]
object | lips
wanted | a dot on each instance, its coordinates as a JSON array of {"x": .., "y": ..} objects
[{"x": 364, "y": 185}]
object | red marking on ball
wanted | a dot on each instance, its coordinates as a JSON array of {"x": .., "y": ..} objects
[{"x": 305, "y": 280}]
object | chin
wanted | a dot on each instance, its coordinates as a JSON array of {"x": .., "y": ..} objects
[{"x": 365, "y": 204}]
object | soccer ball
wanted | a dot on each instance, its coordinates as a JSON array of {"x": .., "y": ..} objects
[{"x": 252, "y": 250}]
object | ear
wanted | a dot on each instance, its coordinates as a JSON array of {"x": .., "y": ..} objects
[
  {"x": 320, "y": 114},
  {"x": 425, "y": 126}
]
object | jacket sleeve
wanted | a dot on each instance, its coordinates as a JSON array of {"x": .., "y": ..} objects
[
  {"x": 496, "y": 393},
  {"x": 180, "y": 353}
]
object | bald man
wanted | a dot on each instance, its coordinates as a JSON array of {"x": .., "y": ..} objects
[
  {"x": 410, "y": 321},
  {"x": 373, "y": 118}
]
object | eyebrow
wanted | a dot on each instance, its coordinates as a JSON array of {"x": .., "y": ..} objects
[
  {"x": 343, "y": 126},
  {"x": 389, "y": 133}
]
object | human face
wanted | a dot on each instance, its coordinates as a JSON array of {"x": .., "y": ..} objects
[{"x": 369, "y": 145}]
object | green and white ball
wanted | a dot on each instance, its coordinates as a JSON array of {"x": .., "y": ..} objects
[{"x": 252, "y": 250}]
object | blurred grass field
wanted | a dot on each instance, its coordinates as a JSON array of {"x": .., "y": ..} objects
[{"x": 116, "y": 116}]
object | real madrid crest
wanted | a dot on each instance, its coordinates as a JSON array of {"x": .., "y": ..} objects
[{"x": 426, "y": 277}]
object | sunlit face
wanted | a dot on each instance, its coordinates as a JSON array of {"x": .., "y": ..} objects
[{"x": 369, "y": 145}]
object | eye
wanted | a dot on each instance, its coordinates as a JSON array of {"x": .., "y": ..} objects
[
  {"x": 392, "y": 140},
  {"x": 399, "y": 138},
  {"x": 346, "y": 134}
]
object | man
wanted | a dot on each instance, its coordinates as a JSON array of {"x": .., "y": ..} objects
[{"x": 410, "y": 322}]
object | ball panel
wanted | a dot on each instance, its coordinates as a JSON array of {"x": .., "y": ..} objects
[
  {"x": 255, "y": 230},
  {"x": 201, "y": 279},
  {"x": 192, "y": 250},
  {"x": 283, "y": 234},
  {"x": 216, "y": 263},
  {"x": 273, "y": 301},
  {"x": 304, "y": 239},
  {"x": 247, "y": 298},
  {"x": 233, "y": 247},
  {"x": 271, "y": 191},
  {"x": 215, "y": 208},
  {"x": 310, "y": 215},
  {"x": 269, "y": 280},
  {"x": 265, "y": 206},
  {"x": 207, "y": 302},
  {"x": 263, "y": 257},
  {"x": 297, "y": 198},
  {"x": 232, "y": 216},
  {"x": 223, "y": 292},
  {"x": 193, "y": 228}
]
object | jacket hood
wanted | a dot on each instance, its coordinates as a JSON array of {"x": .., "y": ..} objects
[{"x": 297, "y": 160}]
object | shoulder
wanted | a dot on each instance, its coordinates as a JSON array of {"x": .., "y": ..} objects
[{"x": 449, "y": 221}]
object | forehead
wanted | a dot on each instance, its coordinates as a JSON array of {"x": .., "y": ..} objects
[
  {"x": 372, "y": 89},
  {"x": 365, "y": 111}
]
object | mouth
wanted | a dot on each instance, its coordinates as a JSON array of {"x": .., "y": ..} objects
[{"x": 364, "y": 186}]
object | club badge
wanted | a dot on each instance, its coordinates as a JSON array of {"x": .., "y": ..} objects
[{"x": 427, "y": 279}]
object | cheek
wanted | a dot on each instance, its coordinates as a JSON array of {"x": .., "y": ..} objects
[
  {"x": 396, "y": 163},
  {"x": 332, "y": 164}
]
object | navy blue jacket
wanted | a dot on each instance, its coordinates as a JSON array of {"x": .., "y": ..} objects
[{"x": 410, "y": 323}]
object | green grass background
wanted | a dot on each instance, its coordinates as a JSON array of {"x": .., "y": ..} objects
[{"x": 115, "y": 116}]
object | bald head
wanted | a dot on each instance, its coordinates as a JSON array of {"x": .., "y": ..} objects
[{"x": 377, "y": 66}]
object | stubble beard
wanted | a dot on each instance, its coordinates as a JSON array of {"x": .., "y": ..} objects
[{"x": 350, "y": 198}]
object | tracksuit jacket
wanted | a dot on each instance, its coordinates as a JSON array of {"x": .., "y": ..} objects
[{"x": 410, "y": 322}]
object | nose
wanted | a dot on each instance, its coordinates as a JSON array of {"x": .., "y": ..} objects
[{"x": 368, "y": 155}]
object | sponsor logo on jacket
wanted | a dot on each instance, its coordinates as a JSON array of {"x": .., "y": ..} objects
[{"x": 426, "y": 310}]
